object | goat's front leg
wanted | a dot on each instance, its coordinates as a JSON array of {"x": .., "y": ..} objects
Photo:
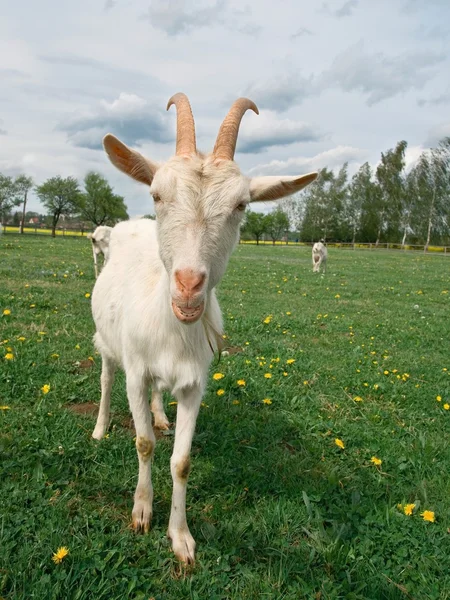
[
  {"x": 107, "y": 380},
  {"x": 137, "y": 391},
  {"x": 183, "y": 543}
]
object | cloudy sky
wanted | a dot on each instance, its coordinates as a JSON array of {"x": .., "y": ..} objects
[{"x": 334, "y": 81}]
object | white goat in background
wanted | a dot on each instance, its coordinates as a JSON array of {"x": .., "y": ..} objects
[
  {"x": 319, "y": 256},
  {"x": 100, "y": 244},
  {"x": 154, "y": 304}
]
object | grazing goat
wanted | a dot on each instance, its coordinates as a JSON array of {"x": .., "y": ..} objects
[
  {"x": 154, "y": 304},
  {"x": 100, "y": 244},
  {"x": 319, "y": 256}
]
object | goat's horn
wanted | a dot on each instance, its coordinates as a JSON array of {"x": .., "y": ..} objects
[
  {"x": 185, "y": 125},
  {"x": 226, "y": 140}
]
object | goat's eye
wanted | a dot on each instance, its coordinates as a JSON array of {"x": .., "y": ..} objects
[
  {"x": 241, "y": 206},
  {"x": 156, "y": 198}
]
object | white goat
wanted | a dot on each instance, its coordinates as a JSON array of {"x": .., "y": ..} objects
[
  {"x": 154, "y": 304},
  {"x": 319, "y": 256},
  {"x": 100, "y": 244}
]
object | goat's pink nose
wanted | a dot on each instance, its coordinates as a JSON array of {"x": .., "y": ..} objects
[{"x": 189, "y": 282}]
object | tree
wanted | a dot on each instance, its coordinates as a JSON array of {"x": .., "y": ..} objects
[
  {"x": 9, "y": 196},
  {"x": 255, "y": 224},
  {"x": 390, "y": 182},
  {"x": 277, "y": 223},
  {"x": 98, "y": 203},
  {"x": 60, "y": 197},
  {"x": 24, "y": 184},
  {"x": 315, "y": 220},
  {"x": 361, "y": 200}
]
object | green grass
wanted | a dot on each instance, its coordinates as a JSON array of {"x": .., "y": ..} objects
[{"x": 278, "y": 510}]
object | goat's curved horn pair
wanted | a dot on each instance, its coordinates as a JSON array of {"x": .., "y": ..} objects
[{"x": 227, "y": 137}]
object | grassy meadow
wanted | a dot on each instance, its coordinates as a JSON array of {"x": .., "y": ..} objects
[{"x": 321, "y": 456}]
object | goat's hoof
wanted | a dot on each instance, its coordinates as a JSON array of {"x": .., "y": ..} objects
[
  {"x": 141, "y": 516},
  {"x": 183, "y": 545},
  {"x": 99, "y": 433},
  {"x": 162, "y": 423}
]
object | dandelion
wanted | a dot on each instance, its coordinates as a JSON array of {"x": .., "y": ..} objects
[
  {"x": 375, "y": 386},
  {"x": 173, "y": 403},
  {"x": 220, "y": 392},
  {"x": 87, "y": 295},
  {"x": 408, "y": 509},
  {"x": 376, "y": 461},
  {"x": 60, "y": 554},
  {"x": 267, "y": 319},
  {"x": 32, "y": 305},
  {"x": 290, "y": 361},
  {"x": 45, "y": 388},
  {"x": 4, "y": 407},
  {"x": 267, "y": 375},
  {"x": 305, "y": 382},
  {"x": 357, "y": 399},
  {"x": 438, "y": 398},
  {"x": 21, "y": 338},
  {"x": 6, "y": 312},
  {"x": 285, "y": 374},
  {"x": 337, "y": 296},
  {"x": 288, "y": 313},
  {"x": 9, "y": 356},
  {"x": 386, "y": 372},
  {"x": 235, "y": 402},
  {"x": 77, "y": 347},
  {"x": 339, "y": 443},
  {"x": 428, "y": 515},
  {"x": 54, "y": 355},
  {"x": 446, "y": 406},
  {"x": 218, "y": 376},
  {"x": 241, "y": 382},
  {"x": 267, "y": 401},
  {"x": 41, "y": 332}
]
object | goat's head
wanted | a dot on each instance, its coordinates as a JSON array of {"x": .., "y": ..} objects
[{"x": 199, "y": 203}]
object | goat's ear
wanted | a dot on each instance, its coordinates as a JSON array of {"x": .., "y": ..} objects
[
  {"x": 274, "y": 188},
  {"x": 129, "y": 161}
]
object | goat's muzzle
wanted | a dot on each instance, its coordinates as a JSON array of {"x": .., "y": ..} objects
[
  {"x": 187, "y": 314},
  {"x": 188, "y": 304}
]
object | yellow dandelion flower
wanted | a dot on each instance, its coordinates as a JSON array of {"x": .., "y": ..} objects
[
  {"x": 288, "y": 313},
  {"x": 6, "y": 311},
  {"x": 220, "y": 392},
  {"x": 285, "y": 374},
  {"x": 337, "y": 296},
  {"x": 386, "y": 372},
  {"x": 77, "y": 347},
  {"x": 218, "y": 376},
  {"x": 267, "y": 319},
  {"x": 446, "y": 406},
  {"x": 235, "y": 402},
  {"x": 339, "y": 443},
  {"x": 376, "y": 461},
  {"x": 54, "y": 355},
  {"x": 21, "y": 338},
  {"x": 41, "y": 332},
  {"x": 60, "y": 554},
  {"x": 87, "y": 295},
  {"x": 45, "y": 388},
  {"x": 205, "y": 405},
  {"x": 241, "y": 382},
  {"x": 438, "y": 398},
  {"x": 267, "y": 401},
  {"x": 4, "y": 407},
  {"x": 357, "y": 399},
  {"x": 32, "y": 305},
  {"x": 290, "y": 361},
  {"x": 267, "y": 375},
  {"x": 428, "y": 515},
  {"x": 173, "y": 403},
  {"x": 9, "y": 356},
  {"x": 375, "y": 386},
  {"x": 408, "y": 509},
  {"x": 305, "y": 382}
]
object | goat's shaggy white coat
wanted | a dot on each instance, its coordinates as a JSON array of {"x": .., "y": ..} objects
[
  {"x": 319, "y": 256},
  {"x": 100, "y": 244},
  {"x": 155, "y": 307}
]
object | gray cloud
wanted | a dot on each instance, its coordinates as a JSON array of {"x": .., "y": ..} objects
[
  {"x": 109, "y": 4},
  {"x": 129, "y": 117},
  {"x": 281, "y": 92},
  {"x": 172, "y": 17},
  {"x": 379, "y": 76},
  {"x": 442, "y": 99},
  {"x": 344, "y": 11},
  {"x": 437, "y": 133},
  {"x": 301, "y": 32},
  {"x": 268, "y": 130}
]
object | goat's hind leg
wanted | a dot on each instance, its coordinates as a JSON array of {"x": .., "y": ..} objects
[
  {"x": 161, "y": 420},
  {"x": 107, "y": 379},
  {"x": 137, "y": 390}
]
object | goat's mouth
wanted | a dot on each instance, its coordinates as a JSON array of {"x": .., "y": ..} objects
[{"x": 186, "y": 314}]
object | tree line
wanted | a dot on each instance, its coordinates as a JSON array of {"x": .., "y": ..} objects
[
  {"x": 96, "y": 204},
  {"x": 385, "y": 204}
]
